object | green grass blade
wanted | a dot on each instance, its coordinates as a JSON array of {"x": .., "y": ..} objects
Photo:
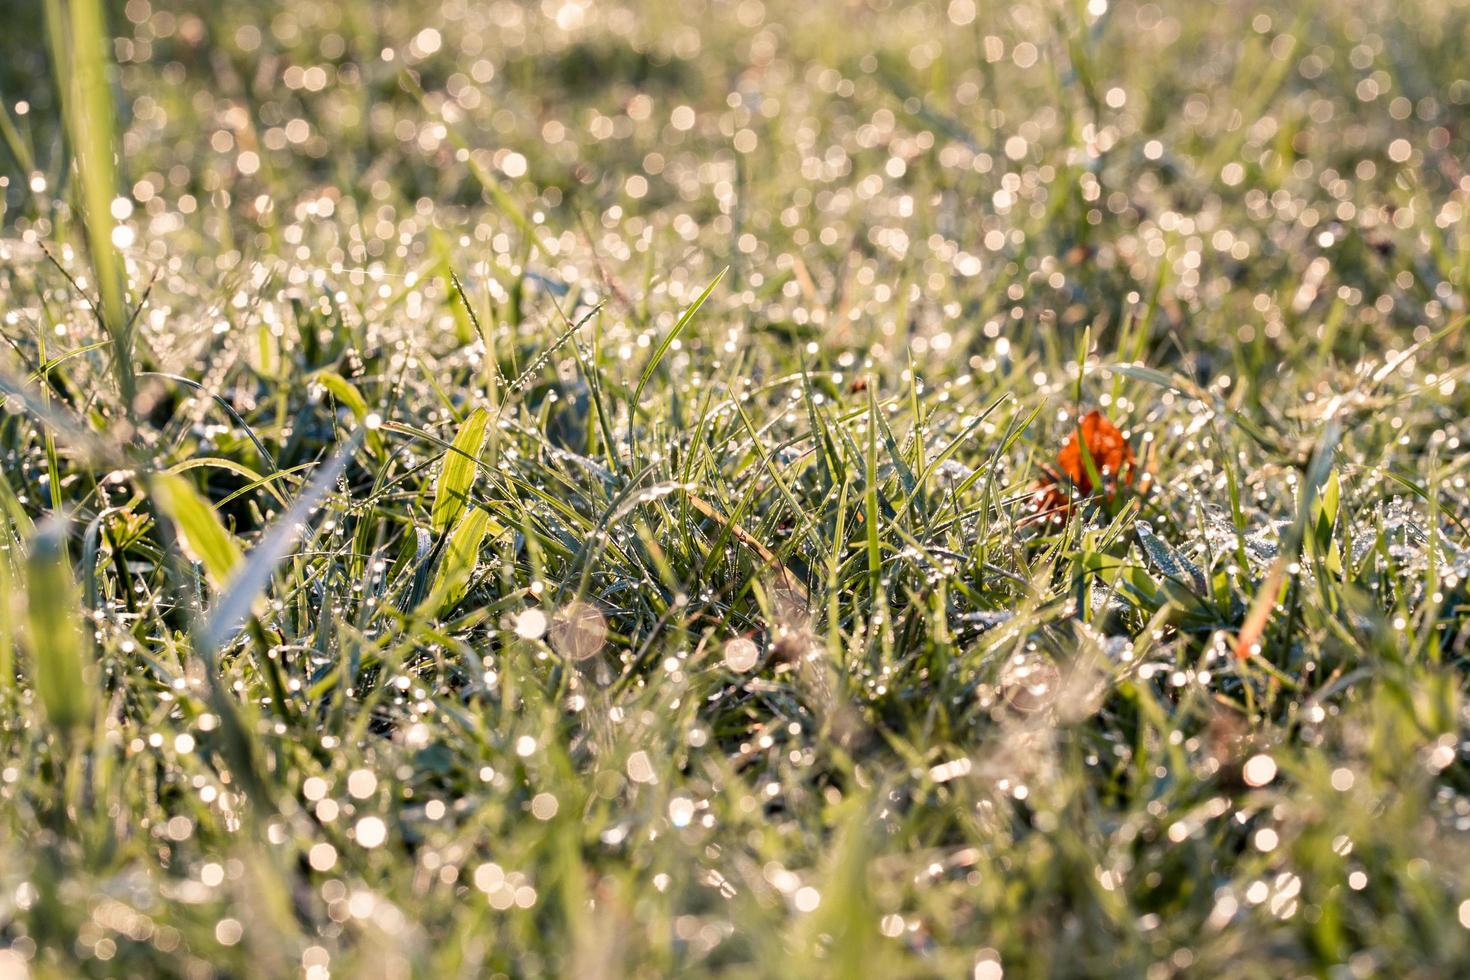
[
  {"x": 77, "y": 30},
  {"x": 59, "y": 662},
  {"x": 673, "y": 335},
  {"x": 457, "y": 474},
  {"x": 202, "y": 536},
  {"x": 224, "y": 620},
  {"x": 458, "y": 561}
]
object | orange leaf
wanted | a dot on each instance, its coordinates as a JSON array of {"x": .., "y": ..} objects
[
  {"x": 1112, "y": 457},
  {"x": 1112, "y": 460},
  {"x": 1254, "y": 627}
]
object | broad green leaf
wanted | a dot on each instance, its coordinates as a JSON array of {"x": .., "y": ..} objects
[
  {"x": 202, "y": 536},
  {"x": 1167, "y": 560},
  {"x": 346, "y": 392},
  {"x": 461, "y": 552},
  {"x": 265, "y": 355},
  {"x": 54, "y": 638},
  {"x": 1326, "y": 507},
  {"x": 457, "y": 475}
]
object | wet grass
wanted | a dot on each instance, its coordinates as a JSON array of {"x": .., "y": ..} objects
[{"x": 554, "y": 490}]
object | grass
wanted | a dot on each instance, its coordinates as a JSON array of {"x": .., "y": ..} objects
[{"x": 523, "y": 490}]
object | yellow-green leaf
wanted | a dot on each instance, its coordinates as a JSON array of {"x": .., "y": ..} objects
[
  {"x": 457, "y": 564},
  {"x": 346, "y": 392},
  {"x": 457, "y": 475},
  {"x": 203, "y": 537},
  {"x": 7, "y": 612},
  {"x": 54, "y": 638}
]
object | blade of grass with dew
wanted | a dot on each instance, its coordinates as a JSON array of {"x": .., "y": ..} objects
[
  {"x": 870, "y": 497},
  {"x": 202, "y": 536},
  {"x": 458, "y": 561},
  {"x": 225, "y": 619},
  {"x": 347, "y": 393},
  {"x": 1248, "y": 640},
  {"x": 59, "y": 662},
  {"x": 673, "y": 335},
  {"x": 79, "y": 39},
  {"x": 457, "y": 473},
  {"x": 8, "y": 599}
]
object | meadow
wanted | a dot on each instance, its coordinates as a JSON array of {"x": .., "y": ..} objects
[{"x": 752, "y": 488}]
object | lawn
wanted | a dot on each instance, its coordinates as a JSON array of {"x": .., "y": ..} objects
[{"x": 850, "y": 488}]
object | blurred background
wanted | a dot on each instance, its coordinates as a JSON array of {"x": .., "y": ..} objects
[{"x": 1036, "y": 162}]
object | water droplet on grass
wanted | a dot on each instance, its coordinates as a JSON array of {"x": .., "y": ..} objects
[{"x": 741, "y": 655}]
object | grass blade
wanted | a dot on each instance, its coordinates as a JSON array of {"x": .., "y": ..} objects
[
  {"x": 77, "y": 31},
  {"x": 458, "y": 562},
  {"x": 225, "y": 619},
  {"x": 59, "y": 660},
  {"x": 201, "y": 534},
  {"x": 457, "y": 476},
  {"x": 673, "y": 335}
]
